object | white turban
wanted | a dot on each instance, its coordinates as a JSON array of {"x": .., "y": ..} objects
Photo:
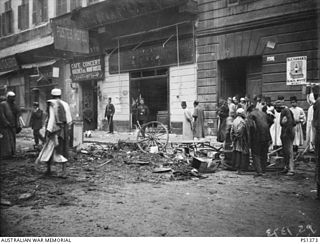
[
  {"x": 10, "y": 94},
  {"x": 56, "y": 92}
]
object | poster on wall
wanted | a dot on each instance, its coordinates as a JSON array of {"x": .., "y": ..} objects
[{"x": 297, "y": 70}]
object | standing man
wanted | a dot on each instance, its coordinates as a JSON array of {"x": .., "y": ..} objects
[
  {"x": 316, "y": 124},
  {"x": 143, "y": 113},
  {"x": 260, "y": 138},
  {"x": 36, "y": 123},
  {"x": 239, "y": 136},
  {"x": 110, "y": 110},
  {"x": 55, "y": 150},
  {"x": 287, "y": 135},
  {"x": 187, "y": 122},
  {"x": 299, "y": 118},
  {"x": 9, "y": 125},
  {"x": 198, "y": 116}
]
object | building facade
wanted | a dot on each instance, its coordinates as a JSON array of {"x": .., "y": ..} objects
[
  {"x": 165, "y": 51},
  {"x": 247, "y": 46}
]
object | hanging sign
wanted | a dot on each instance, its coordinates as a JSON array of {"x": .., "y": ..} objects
[
  {"x": 89, "y": 68},
  {"x": 297, "y": 70},
  {"x": 8, "y": 63},
  {"x": 70, "y": 39}
]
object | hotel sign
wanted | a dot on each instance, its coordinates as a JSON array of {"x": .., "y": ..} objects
[
  {"x": 91, "y": 68},
  {"x": 297, "y": 70},
  {"x": 71, "y": 39}
]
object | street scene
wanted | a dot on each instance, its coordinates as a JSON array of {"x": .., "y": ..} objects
[{"x": 159, "y": 118}]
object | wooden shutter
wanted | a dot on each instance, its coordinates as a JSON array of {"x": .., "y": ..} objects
[
  {"x": 44, "y": 10},
  {"x": 25, "y": 16},
  {"x": 34, "y": 12},
  {"x": 20, "y": 16},
  {"x": 0, "y": 25}
]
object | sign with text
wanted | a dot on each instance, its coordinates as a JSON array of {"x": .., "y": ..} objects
[
  {"x": 71, "y": 39},
  {"x": 8, "y": 63},
  {"x": 297, "y": 70},
  {"x": 91, "y": 68}
]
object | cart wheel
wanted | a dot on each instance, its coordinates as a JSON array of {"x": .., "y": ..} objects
[{"x": 152, "y": 134}]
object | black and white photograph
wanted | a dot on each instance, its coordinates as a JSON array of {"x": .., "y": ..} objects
[{"x": 159, "y": 118}]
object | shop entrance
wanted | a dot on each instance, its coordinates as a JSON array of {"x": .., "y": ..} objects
[
  {"x": 89, "y": 105},
  {"x": 153, "y": 87},
  {"x": 240, "y": 76}
]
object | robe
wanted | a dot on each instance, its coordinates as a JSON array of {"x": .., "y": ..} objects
[
  {"x": 56, "y": 147},
  {"x": 9, "y": 123},
  {"x": 187, "y": 125},
  {"x": 275, "y": 130},
  {"x": 310, "y": 130},
  {"x": 299, "y": 118},
  {"x": 198, "y": 128}
]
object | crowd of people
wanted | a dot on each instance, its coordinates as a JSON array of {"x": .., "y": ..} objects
[
  {"x": 253, "y": 128},
  {"x": 245, "y": 127}
]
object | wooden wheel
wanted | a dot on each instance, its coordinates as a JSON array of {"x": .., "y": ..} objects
[{"x": 152, "y": 134}]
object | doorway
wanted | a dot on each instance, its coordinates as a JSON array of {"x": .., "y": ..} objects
[
  {"x": 240, "y": 76},
  {"x": 89, "y": 105},
  {"x": 153, "y": 87}
]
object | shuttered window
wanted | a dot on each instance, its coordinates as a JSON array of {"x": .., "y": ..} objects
[
  {"x": 7, "y": 19},
  {"x": 75, "y": 4},
  {"x": 61, "y": 7},
  {"x": 23, "y": 16},
  {"x": 40, "y": 11}
]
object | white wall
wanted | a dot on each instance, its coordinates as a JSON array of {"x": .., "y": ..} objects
[
  {"x": 183, "y": 83},
  {"x": 115, "y": 86}
]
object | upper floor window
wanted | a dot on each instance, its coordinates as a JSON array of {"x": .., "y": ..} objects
[
  {"x": 40, "y": 11},
  {"x": 61, "y": 7},
  {"x": 92, "y": 1},
  {"x": 23, "y": 15},
  {"x": 7, "y": 19},
  {"x": 75, "y": 4}
]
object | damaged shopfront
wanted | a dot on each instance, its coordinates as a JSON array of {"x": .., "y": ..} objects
[{"x": 148, "y": 51}]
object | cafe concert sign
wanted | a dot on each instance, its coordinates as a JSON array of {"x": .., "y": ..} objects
[{"x": 90, "y": 68}]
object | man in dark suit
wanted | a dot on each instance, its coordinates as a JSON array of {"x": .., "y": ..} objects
[
  {"x": 110, "y": 110},
  {"x": 36, "y": 123}
]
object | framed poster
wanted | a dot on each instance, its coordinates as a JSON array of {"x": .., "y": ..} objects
[{"x": 297, "y": 70}]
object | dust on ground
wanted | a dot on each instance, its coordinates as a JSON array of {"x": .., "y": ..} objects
[{"x": 112, "y": 191}]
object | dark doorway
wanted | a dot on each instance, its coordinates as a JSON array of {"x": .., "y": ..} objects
[
  {"x": 240, "y": 76},
  {"x": 152, "y": 86},
  {"x": 89, "y": 105}
]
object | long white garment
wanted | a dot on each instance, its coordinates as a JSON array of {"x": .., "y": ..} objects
[
  {"x": 187, "y": 129},
  {"x": 275, "y": 130},
  {"x": 310, "y": 130},
  {"x": 300, "y": 118}
]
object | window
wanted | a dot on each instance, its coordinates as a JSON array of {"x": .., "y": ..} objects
[
  {"x": 92, "y": 1},
  {"x": 7, "y": 19},
  {"x": 23, "y": 15},
  {"x": 40, "y": 11},
  {"x": 61, "y": 7},
  {"x": 75, "y": 4}
]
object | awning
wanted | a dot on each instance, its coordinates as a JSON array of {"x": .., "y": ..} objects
[
  {"x": 27, "y": 46},
  {"x": 7, "y": 72},
  {"x": 39, "y": 64},
  {"x": 108, "y": 12}
]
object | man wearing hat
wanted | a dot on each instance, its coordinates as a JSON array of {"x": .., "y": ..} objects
[
  {"x": 36, "y": 123},
  {"x": 55, "y": 150},
  {"x": 198, "y": 125},
  {"x": 287, "y": 124},
  {"x": 9, "y": 125}
]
